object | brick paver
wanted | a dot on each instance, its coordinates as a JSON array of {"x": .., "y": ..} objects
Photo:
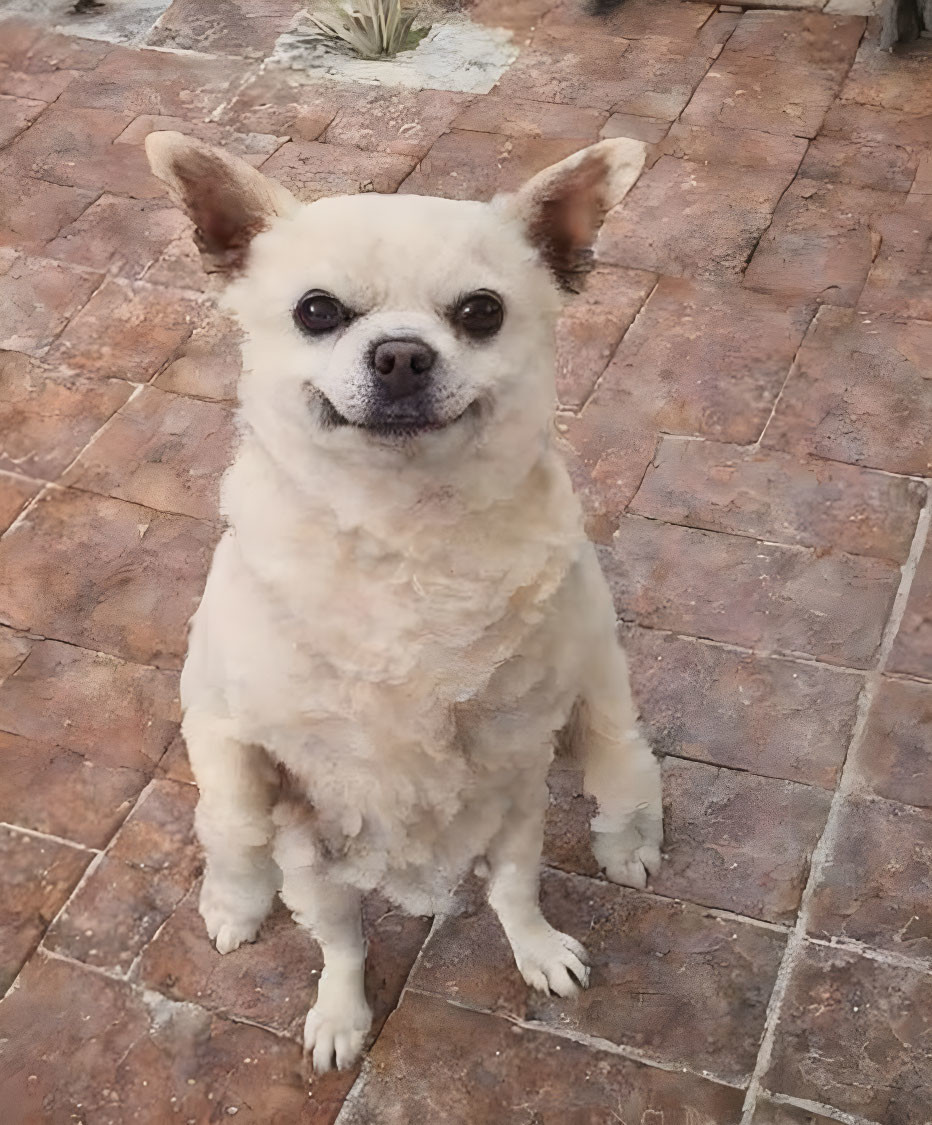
[{"x": 745, "y": 401}]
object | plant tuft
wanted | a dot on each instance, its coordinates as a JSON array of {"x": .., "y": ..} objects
[{"x": 374, "y": 29}]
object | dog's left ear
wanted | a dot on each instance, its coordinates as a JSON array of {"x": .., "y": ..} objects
[{"x": 562, "y": 207}]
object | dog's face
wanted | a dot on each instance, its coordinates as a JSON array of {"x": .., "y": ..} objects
[{"x": 394, "y": 323}]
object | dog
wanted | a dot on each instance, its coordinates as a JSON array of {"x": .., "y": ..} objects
[{"x": 404, "y": 612}]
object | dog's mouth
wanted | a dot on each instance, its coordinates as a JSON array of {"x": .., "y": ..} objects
[{"x": 395, "y": 427}]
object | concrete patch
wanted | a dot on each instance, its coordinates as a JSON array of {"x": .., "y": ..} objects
[
  {"x": 114, "y": 21},
  {"x": 456, "y": 54}
]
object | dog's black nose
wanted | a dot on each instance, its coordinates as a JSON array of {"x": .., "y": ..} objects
[{"x": 403, "y": 366}]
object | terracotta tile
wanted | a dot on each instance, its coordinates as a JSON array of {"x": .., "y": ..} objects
[
  {"x": 273, "y": 981},
  {"x": 885, "y": 167},
  {"x": 640, "y": 18},
  {"x": 912, "y": 649},
  {"x": 174, "y": 764},
  {"x": 35, "y": 211},
  {"x": 105, "y": 574},
  {"x": 113, "y": 713},
  {"x": 119, "y": 235},
  {"x": 731, "y": 840},
  {"x": 736, "y": 841},
  {"x": 780, "y": 498},
  {"x": 568, "y": 65},
  {"x": 73, "y": 146},
  {"x": 14, "y": 648},
  {"x": 516, "y": 15},
  {"x": 520, "y": 118},
  {"x": 79, "y": 1039},
  {"x": 472, "y": 165},
  {"x": 668, "y": 979},
  {"x": 769, "y": 1112},
  {"x": 127, "y": 331},
  {"x": 19, "y": 36},
  {"x": 606, "y": 452},
  {"x": 774, "y": 717},
  {"x": 208, "y": 364},
  {"x": 160, "y": 82},
  {"x": 180, "y": 266},
  {"x": 894, "y": 81},
  {"x": 859, "y": 393},
  {"x": 313, "y": 170},
  {"x": 893, "y": 759},
  {"x": 745, "y": 148},
  {"x": 47, "y": 415},
  {"x": 822, "y": 41},
  {"x": 53, "y": 50},
  {"x": 51, "y": 789},
  {"x": 922, "y": 184},
  {"x": 592, "y": 324},
  {"x": 231, "y": 27},
  {"x": 854, "y": 1033},
  {"x": 283, "y": 102},
  {"x": 878, "y": 895},
  {"x": 704, "y": 359},
  {"x": 44, "y": 86},
  {"x": 694, "y": 220},
  {"x": 37, "y": 876},
  {"x": 821, "y": 243},
  {"x": 734, "y": 589},
  {"x": 37, "y": 299},
  {"x": 763, "y": 93},
  {"x": 900, "y": 280},
  {"x": 254, "y": 148},
  {"x": 396, "y": 120},
  {"x": 16, "y": 115},
  {"x": 650, "y": 77},
  {"x": 145, "y": 873},
  {"x": 162, "y": 450},
  {"x": 15, "y": 494},
  {"x": 647, "y": 129},
  {"x": 425, "y": 1066},
  {"x": 875, "y": 125}
]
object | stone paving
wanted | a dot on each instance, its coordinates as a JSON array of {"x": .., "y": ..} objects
[{"x": 746, "y": 401}]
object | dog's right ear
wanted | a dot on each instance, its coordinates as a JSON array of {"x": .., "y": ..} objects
[{"x": 228, "y": 201}]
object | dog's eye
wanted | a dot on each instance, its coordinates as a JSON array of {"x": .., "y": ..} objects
[
  {"x": 480, "y": 314},
  {"x": 318, "y": 312}
]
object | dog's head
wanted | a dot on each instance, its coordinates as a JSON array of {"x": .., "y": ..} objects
[{"x": 394, "y": 326}]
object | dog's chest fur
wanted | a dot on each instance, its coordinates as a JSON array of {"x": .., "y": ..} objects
[{"x": 395, "y": 672}]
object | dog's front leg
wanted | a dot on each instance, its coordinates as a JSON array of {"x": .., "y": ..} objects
[
  {"x": 237, "y": 786},
  {"x": 619, "y": 770},
  {"x": 337, "y": 1025},
  {"x": 547, "y": 959}
]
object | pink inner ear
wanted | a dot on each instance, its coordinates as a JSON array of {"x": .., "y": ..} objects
[
  {"x": 224, "y": 220},
  {"x": 568, "y": 213}
]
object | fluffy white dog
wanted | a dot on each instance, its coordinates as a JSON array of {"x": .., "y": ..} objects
[{"x": 404, "y": 612}]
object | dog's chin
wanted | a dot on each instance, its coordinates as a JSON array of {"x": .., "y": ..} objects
[{"x": 387, "y": 429}]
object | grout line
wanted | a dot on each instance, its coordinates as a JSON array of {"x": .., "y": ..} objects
[
  {"x": 826, "y": 844},
  {"x": 819, "y": 1107},
  {"x": 881, "y": 956},
  {"x": 756, "y": 445},
  {"x": 105, "y": 425},
  {"x": 50, "y": 836},
  {"x": 633, "y": 1054},
  {"x": 708, "y": 911},
  {"x": 763, "y": 654},
  {"x": 637, "y": 316}
]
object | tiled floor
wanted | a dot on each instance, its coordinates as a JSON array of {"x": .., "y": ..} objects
[{"x": 746, "y": 392}]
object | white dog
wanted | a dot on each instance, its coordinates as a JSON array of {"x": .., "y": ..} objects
[{"x": 404, "y": 612}]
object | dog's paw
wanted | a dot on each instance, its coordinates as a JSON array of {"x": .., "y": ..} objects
[
  {"x": 227, "y": 926},
  {"x": 334, "y": 1035},
  {"x": 550, "y": 961},
  {"x": 631, "y": 854}
]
